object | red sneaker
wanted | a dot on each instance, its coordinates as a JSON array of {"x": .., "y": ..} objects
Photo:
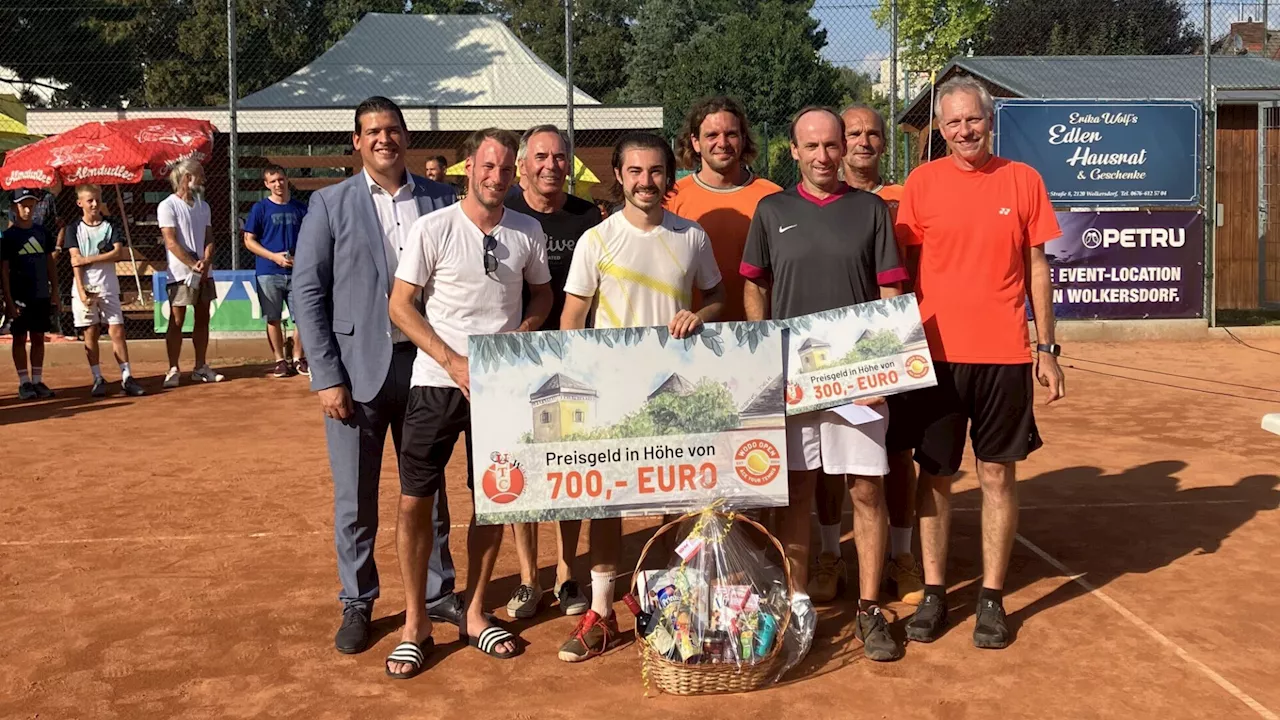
[{"x": 593, "y": 636}]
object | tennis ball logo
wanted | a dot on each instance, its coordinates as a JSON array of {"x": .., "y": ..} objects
[
  {"x": 503, "y": 480},
  {"x": 757, "y": 462},
  {"x": 917, "y": 366},
  {"x": 794, "y": 394}
]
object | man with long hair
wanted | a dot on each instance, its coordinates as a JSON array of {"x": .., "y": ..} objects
[{"x": 722, "y": 193}]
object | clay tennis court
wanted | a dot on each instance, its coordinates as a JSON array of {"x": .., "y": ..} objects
[{"x": 172, "y": 556}]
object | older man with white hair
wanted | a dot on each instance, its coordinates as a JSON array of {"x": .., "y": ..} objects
[
  {"x": 980, "y": 223},
  {"x": 184, "y": 220}
]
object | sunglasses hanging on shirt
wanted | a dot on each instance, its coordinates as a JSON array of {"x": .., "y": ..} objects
[{"x": 490, "y": 260}]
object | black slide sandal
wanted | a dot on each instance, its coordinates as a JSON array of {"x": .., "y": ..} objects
[
  {"x": 414, "y": 654},
  {"x": 490, "y": 638}
]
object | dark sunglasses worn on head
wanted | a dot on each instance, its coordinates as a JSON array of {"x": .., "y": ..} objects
[{"x": 490, "y": 260}]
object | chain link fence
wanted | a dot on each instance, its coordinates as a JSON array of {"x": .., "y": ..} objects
[{"x": 299, "y": 67}]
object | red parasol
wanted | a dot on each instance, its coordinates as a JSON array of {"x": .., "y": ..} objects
[{"x": 111, "y": 153}]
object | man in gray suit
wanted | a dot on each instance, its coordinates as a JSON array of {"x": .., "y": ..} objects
[{"x": 348, "y": 249}]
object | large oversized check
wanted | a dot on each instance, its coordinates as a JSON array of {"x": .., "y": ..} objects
[
  {"x": 616, "y": 422},
  {"x": 838, "y": 356}
]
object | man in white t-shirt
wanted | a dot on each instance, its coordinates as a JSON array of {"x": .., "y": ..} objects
[
  {"x": 184, "y": 222},
  {"x": 474, "y": 259},
  {"x": 638, "y": 268}
]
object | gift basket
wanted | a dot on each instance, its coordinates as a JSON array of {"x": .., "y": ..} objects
[{"x": 721, "y": 617}]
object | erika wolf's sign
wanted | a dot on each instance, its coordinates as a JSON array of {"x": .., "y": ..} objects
[
  {"x": 629, "y": 421},
  {"x": 838, "y": 356}
]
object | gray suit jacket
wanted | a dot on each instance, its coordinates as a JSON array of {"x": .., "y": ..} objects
[{"x": 340, "y": 281}]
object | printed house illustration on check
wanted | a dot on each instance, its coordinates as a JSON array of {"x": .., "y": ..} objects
[
  {"x": 814, "y": 354},
  {"x": 561, "y": 407}
]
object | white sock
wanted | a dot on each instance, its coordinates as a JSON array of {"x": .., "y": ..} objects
[
  {"x": 900, "y": 540},
  {"x": 830, "y": 535},
  {"x": 97, "y": 372},
  {"x": 37, "y": 375},
  {"x": 173, "y": 370},
  {"x": 602, "y": 592},
  {"x": 23, "y": 377},
  {"x": 125, "y": 372}
]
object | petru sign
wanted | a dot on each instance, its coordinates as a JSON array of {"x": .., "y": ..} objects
[{"x": 1106, "y": 152}]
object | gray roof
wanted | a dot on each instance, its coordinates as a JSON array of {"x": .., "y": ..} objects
[
  {"x": 561, "y": 384},
  {"x": 1132, "y": 77},
  {"x": 914, "y": 335},
  {"x": 422, "y": 60},
  {"x": 813, "y": 342},
  {"x": 769, "y": 400},
  {"x": 674, "y": 384}
]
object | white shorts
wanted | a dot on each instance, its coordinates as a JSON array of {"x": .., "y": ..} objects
[
  {"x": 824, "y": 440},
  {"x": 105, "y": 310}
]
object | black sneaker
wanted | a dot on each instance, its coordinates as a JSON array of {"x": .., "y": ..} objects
[
  {"x": 877, "y": 643},
  {"x": 132, "y": 388},
  {"x": 99, "y": 388},
  {"x": 353, "y": 636},
  {"x": 929, "y": 620},
  {"x": 43, "y": 392},
  {"x": 991, "y": 631}
]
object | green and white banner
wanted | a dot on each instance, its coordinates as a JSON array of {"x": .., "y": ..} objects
[{"x": 236, "y": 308}]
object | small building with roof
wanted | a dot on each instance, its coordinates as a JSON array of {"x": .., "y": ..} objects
[
  {"x": 562, "y": 406},
  {"x": 674, "y": 384},
  {"x": 814, "y": 353},
  {"x": 765, "y": 408}
]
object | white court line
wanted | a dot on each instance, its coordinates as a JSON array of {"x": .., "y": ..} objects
[
  {"x": 259, "y": 535},
  {"x": 1154, "y": 634},
  {"x": 1100, "y": 506}
]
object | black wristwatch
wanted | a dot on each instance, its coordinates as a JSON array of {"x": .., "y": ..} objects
[{"x": 1053, "y": 349}]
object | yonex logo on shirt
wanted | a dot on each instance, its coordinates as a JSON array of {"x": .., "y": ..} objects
[{"x": 1005, "y": 211}]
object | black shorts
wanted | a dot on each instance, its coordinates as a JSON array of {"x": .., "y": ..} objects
[
  {"x": 433, "y": 420},
  {"x": 34, "y": 319},
  {"x": 997, "y": 399}
]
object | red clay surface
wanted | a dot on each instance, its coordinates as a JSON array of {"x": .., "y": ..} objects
[{"x": 171, "y": 556}]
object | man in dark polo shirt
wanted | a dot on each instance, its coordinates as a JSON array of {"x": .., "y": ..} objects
[
  {"x": 818, "y": 246},
  {"x": 544, "y": 164}
]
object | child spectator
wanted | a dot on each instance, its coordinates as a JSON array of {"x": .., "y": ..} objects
[
  {"x": 96, "y": 245},
  {"x": 26, "y": 276}
]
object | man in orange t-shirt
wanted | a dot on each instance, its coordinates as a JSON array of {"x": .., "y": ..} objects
[
  {"x": 722, "y": 194},
  {"x": 980, "y": 223}
]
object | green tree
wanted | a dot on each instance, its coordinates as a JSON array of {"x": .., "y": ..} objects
[
  {"x": 1089, "y": 27},
  {"x": 763, "y": 53},
  {"x": 932, "y": 32},
  {"x": 881, "y": 343}
]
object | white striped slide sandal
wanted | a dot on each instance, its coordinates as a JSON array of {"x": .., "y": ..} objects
[{"x": 413, "y": 654}]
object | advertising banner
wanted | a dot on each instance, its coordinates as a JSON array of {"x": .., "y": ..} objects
[
  {"x": 838, "y": 356},
  {"x": 619, "y": 422},
  {"x": 236, "y": 308},
  {"x": 1128, "y": 265},
  {"x": 1106, "y": 152}
]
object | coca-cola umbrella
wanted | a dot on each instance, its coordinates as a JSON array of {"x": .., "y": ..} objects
[{"x": 110, "y": 153}]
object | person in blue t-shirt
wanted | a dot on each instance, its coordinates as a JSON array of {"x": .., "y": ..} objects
[{"x": 271, "y": 233}]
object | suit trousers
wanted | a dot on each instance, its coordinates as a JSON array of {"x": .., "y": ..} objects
[{"x": 355, "y": 457}]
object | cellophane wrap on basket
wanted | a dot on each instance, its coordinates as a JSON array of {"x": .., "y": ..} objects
[{"x": 721, "y": 601}]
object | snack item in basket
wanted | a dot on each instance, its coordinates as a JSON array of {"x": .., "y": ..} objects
[{"x": 768, "y": 627}]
